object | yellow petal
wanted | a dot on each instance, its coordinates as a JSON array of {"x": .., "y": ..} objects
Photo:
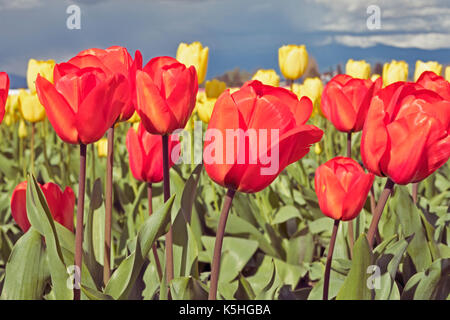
[
  {"x": 35, "y": 67},
  {"x": 358, "y": 69},
  {"x": 268, "y": 77},
  {"x": 292, "y": 60},
  {"x": 30, "y": 107},
  {"x": 421, "y": 67}
]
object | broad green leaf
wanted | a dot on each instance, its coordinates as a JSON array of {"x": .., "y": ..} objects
[
  {"x": 286, "y": 213},
  {"x": 355, "y": 285},
  {"x": 26, "y": 271},
  {"x": 188, "y": 288},
  {"x": 125, "y": 275}
]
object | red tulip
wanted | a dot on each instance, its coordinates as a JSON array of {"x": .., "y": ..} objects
[
  {"x": 346, "y": 100},
  {"x": 61, "y": 204},
  {"x": 406, "y": 134},
  {"x": 342, "y": 187},
  {"x": 145, "y": 150},
  {"x": 83, "y": 103},
  {"x": 259, "y": 108},
  {"x": 431, "y": 81},
  {"x": 4, "y": 88},
  {"x": 166, "y": 95},
  {"x": 112, "y": 60}
]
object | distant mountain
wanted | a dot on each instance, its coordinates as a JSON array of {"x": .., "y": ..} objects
[{"x": 17, "y": 81}]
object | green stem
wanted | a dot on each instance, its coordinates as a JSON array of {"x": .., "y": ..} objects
[{"x": 326, "y": 281}]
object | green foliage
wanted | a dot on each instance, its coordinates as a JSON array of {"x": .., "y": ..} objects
[{"x": 275, "y": 241}]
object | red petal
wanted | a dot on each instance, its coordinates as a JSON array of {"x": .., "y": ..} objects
[{"x": 19, "y": 206}]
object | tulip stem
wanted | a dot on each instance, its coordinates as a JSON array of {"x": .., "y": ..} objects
[
  {"x": 169, "y": 240},
  {"x": 79, "y": 228},
  {"x": 351, "y": 233},
  {"x": 415, "y": 190},
  {"x": 33, "y": 132},
  {"x": 326, "y": 281},
  {"x": 155, "y": 252},
  {"x": 215, "y": 267},
  {"x": 379, "y": 210},
  {"x": 108, "y": 206},
  {"x": 92, "y": 165}
]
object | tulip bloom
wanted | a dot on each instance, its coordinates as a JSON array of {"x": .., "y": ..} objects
[
  {"x": 214, "y": 88},
  {"x": 394, "y": 71},
  {"x": 145, "y": 151},
  {"x": 83, "y": 103},
  {"x": 342, "y": 187},
  {"x": 61, "y": 204},
  {"x": 166, "y": 94},
  {"x": 293, "y": 60},
  {"x": 22, "y": 131},
  {"x": 268, "y": 77},
  {"x": 4, "y": 88},
  {"x": 311, "y": 88},
  {"x": 30, "y": 107},
  {"x": 358, "y": 69},
  {"x": 204, "y": 106},
  {"x": 35, "y": 67},
  {"x": 194, "y": 55},
  {"x": 346, "y": 100},
  {"x": 102, "y": 147},
  {"x": 262, "y": 109},
  {"x": 447, "y": 73},
  {"x": 114, "y": 60},
  {"x": 431, "y": 81},
  {"x": 421, "y": 67},
  {"x": 406, "y": 133}
]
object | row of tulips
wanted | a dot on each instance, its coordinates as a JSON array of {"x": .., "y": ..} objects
[{"x": 405, "y": 133}]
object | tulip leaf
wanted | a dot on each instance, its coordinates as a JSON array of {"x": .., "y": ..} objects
[
  {"x": 26, "y": 271},
  {"x": 188, "y": 288},
  {"x": 286, "y": 213},
  {"x": 42, "y": 220},
  {"x": 355, "y": 285},
  {"x": 410, "y": 220},
  {"x": 124, "y": 277},
  {"x": 93, "y": 294},
  {"x": 433, "y": 283}
]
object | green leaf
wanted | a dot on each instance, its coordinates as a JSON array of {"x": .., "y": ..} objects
[
  {"x": 188, "y": 288},
  {"x": 94, "y": 294},
  {"x": 355, "y": 285},
  {"x": 410, "y": 220},
  {"x": 26, "y": 271},
  {"x": 123, "y": 279},
  {"x": 42, "y": 220},
  {"x": 286, "y": 213}
]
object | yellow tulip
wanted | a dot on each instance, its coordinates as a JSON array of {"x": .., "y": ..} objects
[
  {"x": 447, "y": 73},
  {"x": 293, "y": 60},
  {"x": 358, "y": 69},
  {"x": 374, "y": 77},
  {"x": 30, "y": 107},
  {"x": 421, "y": 67},
  {"x": 317, "y": 148},
  {"x": 214, "y": 88},
  {"x": 311, "y": 88},
  {"x": 22, "y": 130},
  {"x": 35, "y": 67},
  {"x": 395, "y": 71},
  {"x": 102, "y": 147},
  {"x": 194, "y": 55},
  {"x": 205, "y": 109},
  {"x": 134, "y": 118},
  {"x": 268, "y": 77},
  {"x": 12, "y": 109}
]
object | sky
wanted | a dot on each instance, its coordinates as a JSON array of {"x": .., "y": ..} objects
[{"x": 239, "y": 33}]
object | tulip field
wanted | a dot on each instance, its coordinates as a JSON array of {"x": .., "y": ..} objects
[{"x": 122, "y": 179}]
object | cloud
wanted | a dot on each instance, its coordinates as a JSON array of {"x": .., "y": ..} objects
[
  {"x": 427, "y": 41},
  {"x": 19, "y": 4}
]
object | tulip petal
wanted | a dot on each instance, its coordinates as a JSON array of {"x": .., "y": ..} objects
[
  {"x": 330, "y": 192},
  {"x": 406, "y": 139},
  {"x": 374, "y": 136},
  {"x": 182, "y": 98},
  {"x": 151, "y": 107},
  {"x": 99, "y": 109},
  {"x": 355, "y": 199},
  {"x": 136, "y": 155},
  {"x": 58, "y": 111},
  {"x": 19, "y": 206}
]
